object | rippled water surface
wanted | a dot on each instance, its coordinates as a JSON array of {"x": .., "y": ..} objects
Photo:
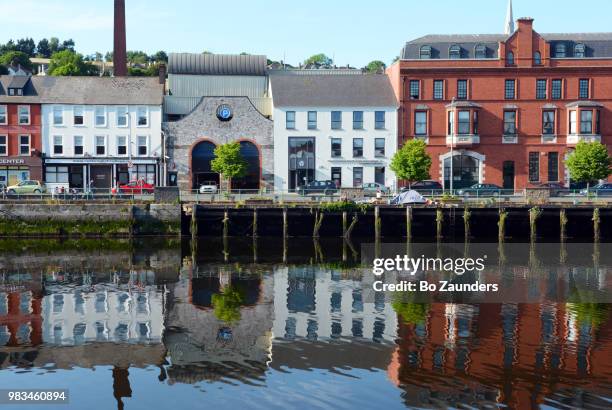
[{"x": 151, "y": 325}]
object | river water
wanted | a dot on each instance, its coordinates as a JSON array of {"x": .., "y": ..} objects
[{"x": 266, "y": 324}]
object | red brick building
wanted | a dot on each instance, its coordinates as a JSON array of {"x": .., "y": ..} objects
[
  {"x": 508, "y": 107},
  {"x": 20, "y": 130}
]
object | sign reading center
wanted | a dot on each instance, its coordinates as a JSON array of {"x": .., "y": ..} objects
[{"x": 224, "y": 112}]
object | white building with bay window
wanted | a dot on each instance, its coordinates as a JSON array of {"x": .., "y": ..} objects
[
  {"x": 333, "y": 126},
  {"x": 101, "y": 132}
]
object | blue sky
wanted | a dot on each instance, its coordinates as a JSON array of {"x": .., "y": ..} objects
[{"x": 352, "y": 31}]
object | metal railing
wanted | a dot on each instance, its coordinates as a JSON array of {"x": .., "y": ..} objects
[{"x": 77, "y": 195}]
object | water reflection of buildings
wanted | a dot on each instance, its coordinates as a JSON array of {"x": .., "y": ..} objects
[
  {"x": 518, "y": 354},
  {"x": 203, "y": 342}
]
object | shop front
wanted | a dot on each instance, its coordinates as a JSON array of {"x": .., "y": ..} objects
[
  {"x": 15, "y": 170},
  {"x": 97, "y": 173}
]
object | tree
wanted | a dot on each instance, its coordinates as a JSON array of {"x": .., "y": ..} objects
[
  {"x": 18, "y": 56},
  {"x": 9, "y": 46},
  {"x": 207, "y": 52},
  {"x": 411, "y": 162},
  {"x": 376, "y": 66},
  {"x": 160, "y": 57},
  {"x": 54, "y": 45},
  {"x": 229, "y": 161},
  {"x": 590, "y": 161},
  {"x": 320, "y": 59},
  {"x": 69, "y": 63},
  {"x": 227, "y": 304},
  {"x": 43, "y": 48},
  {"x": 108, "y": 57},
  {"x": 27, "y": 46},
  {"x": 137, "y": 57}
]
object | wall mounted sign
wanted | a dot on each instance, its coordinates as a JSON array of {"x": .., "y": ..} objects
[
  {"x": 12, "y": 161},
  {"x": 224, "y": 112}
]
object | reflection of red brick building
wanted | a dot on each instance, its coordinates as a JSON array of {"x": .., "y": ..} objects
[
  {"x": 21, "y": 309},
  {"x": 509, "y": 106},
  {"x": 519, "y": 355},
  {"x": 20, "y": 130}
]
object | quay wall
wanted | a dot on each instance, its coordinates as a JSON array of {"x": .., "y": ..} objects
[{"x": 24, "y": 219}]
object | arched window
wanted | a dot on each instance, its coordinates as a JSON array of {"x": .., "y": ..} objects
[
  {"x": 537, "y": 58},
  {"x": 579, "y": 50},
  {"x": 201, "y": 156},
  {"x": 454, "y": 52},
  {"x": 425, "y": 53},
  {"x": 480, "y": 51},
  {"x": 560, "y": 50},
  {"x": 510, "y": 58}
]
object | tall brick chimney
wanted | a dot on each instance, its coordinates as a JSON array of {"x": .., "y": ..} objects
[{"x": 119, "y": 49}]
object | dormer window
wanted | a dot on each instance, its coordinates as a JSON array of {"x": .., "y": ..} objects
[
  {"x": 480, "y": 51},
  {"x": 560, "y": 50},
  {"x": 579, "y": 50},
  {"x": 510, "y": 58},
  {"x": 454, "y": 52},
  {"x": 425, "y": 53},
  {"x": 537, "y": 58},
  {"x": 11, "y": 91}
]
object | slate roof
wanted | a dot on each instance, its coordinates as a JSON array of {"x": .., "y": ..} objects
[
  {"x": 367, "y": 90},
  {"x": 597, "y": 44},
  {"x": 18, "y": 81},
  {"x": 86, "y": 90},
  {"x": 216, "y": 64}
]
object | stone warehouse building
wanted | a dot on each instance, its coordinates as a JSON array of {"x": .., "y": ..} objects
[
  {"x": 213, "y": 100},
  {"x": 504, "y": 108}
]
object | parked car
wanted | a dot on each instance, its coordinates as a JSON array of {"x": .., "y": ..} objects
[
  {"x": 555, "y": 188},
  {"x": 318, "y": 187},
  {"x": 603, "y": 189},
  {"x": 27, "y": 187},
  {"x": 137, "y": 187},
  {"x": 481, "y": 190},
  {"x": 209, "y": 187},
  {"x": 427, "y": 187},
  {"x": 372, "y": 188}
]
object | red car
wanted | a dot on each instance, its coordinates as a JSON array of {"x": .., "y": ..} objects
[{"x": 136, "y": 187}]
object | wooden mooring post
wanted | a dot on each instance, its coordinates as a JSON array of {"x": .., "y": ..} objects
[
  {"x": 225, "y": 223},
  {"x": 409, "y": 223},
  {"x": 194, "y": 221},
  {"x": 285, "y": 223},
  {"x": 377, "y": 223},
  {"x": 254, "y": 222}
]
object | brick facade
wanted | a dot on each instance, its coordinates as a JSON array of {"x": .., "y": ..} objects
[
  {"x": 12, "y": 129},
  {"x": 485, "y": 99}
]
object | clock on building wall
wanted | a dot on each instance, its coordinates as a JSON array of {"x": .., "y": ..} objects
[{"x": 224, "y": 112}]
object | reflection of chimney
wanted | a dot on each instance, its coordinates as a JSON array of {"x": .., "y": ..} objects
[{"x": 119, "y": 51}]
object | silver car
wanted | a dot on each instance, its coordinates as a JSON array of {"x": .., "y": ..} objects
[{"x": 209, "y": 188}]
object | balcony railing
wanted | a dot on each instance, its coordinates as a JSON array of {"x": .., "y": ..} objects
[{"x": 573, "y": 139}]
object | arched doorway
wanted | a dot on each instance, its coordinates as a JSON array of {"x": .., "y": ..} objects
[
  {"x": 466, "y": 170},
  {"x": 250, "y": 153},
  {"x": 201, "y": 156}
]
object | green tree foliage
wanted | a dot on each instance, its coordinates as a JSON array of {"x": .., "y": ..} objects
[
  {"x": 70, "y": 63},
  {"x": 43, "y": 49},
  {"x": 320, "y": 59},
  {"x": 229, "y": 161},
  {"x": 207, "y": 52},
  {"x": 19, "y": 56},
  {"x": 411, "y": 162},
  {"x": 590, "y": 161},
  {"x": 375, "y": 66},
  {"x": 227, "y": 304},
  {"x": 160, "y": 57},
  {"x": 591, "y": 313},
  {"x": 412, "y": 313},
  {"x": 137, "y": 57},
  {"x": 26, "y": 46}
]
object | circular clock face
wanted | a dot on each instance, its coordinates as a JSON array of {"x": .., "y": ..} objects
[
  {"x": 301, "y": 163},
  {"x": 224, "y": 112}
]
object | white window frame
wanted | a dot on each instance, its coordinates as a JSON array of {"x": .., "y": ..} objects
[
  {"x": 146, "y": 109},
  {"x": 19, "y": 115},
  {"x": 126, "y": 145},
  {"x": 127, "y": 116},
  {"x": 74, "y": 145},
  {"x": 96, "y": 146},
  {"x": 29, "y": 145},
  {"x": 96, "y": 116},
  {"x": 5, "y": 145},
  {"x": 146, "y": 137},
  {"x": 53, "y": 144},
  {"x": 61, "y": 111},
  {"x": 74, "y": 112},
  {"x": 5, "y": 114}
]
